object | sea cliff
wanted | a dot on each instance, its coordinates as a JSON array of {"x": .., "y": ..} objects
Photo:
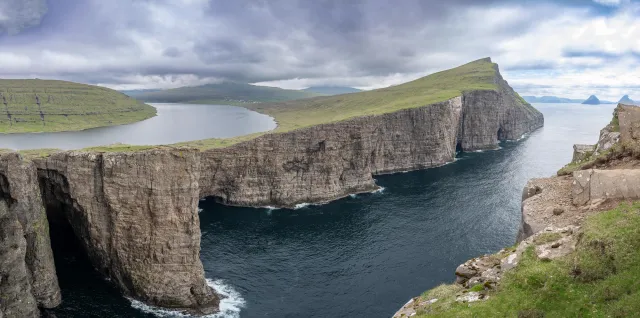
[
  {"x": 576, "y": 249},
  {"x": 135, "y": 213}
]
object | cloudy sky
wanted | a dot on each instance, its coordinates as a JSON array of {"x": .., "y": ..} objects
[{"x": 567, "y": 48}]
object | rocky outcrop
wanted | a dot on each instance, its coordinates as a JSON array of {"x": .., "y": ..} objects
[
  {"x": 135, "y": 213},
  {"x": 598, "y": 185},
  {"x": 27, "y": 273},
  {"x": 477, "y": 276},
  {"x": 136, "y": 216},
  {"x": 582, "y": 152},
  {"x": 329, "y": 161}
]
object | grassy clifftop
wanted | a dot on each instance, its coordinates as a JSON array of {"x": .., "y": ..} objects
[
  {"x": 438, "y": 87},
  {"x": 48, "y": 106}
]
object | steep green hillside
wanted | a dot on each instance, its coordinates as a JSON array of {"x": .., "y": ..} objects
[
  {"x": 332, "y": 90},
  {"x": 438, "y": 87},
  {"x": 224, "y": 93},
  {"x": 46, "y": 106}
]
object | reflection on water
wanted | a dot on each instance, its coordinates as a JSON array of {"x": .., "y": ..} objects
[{"x": 174, "y": 123}]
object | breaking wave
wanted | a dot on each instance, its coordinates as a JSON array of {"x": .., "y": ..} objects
[{"x": 231, "y": 303}]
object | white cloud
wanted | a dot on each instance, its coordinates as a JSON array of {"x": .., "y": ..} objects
[{"x": 609, "y": 2}]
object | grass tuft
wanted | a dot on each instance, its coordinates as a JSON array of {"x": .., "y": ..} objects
[{"x": 600, "y": 279}]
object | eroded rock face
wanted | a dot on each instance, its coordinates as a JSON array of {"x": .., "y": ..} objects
[
  {"x": 592, "y": 185},
  {"x": 136, "y": 215},
  {"x": 629, "y": 123},
  {"x": 582, "y": 152},
  {"x": 326, "y": 162},
  {"x": 27, "y": 272}
]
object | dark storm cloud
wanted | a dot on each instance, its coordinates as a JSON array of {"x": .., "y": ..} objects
[
  {"x": 172, "y": 52},
  {"x": 133, "y": 41},
  {"x": 18, "y": 15}
]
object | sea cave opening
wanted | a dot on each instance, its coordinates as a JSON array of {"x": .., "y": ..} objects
[
  {"x": 501, "y": 134},
  {"x": 73, "y": 266},
  {"x": 459, "y": 147}
]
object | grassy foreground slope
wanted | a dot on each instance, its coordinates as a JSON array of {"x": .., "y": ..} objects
[
  {"x": 438, "y": 87},
  {"x": 33, "y": 105},
  {"x": 601, "y": 278},
  {"x": 224, "y": 93}
]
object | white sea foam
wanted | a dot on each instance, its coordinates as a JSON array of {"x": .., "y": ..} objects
[
  {"x": 270, "y": 208},
  {"x": 231, "y": 303},
  {"x": 379, "y": 190},
  {"x": 353, "y": 196},
  {"x": 301, "y": 206},
  {"x": 200, "y": 210}
]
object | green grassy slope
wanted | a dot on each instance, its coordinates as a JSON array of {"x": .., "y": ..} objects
[
  {"x": 438, "y": 87},
  {"x": 64, "y": 106},
  {"x": 223, "y": 93},
  {"x": 600, "y": 279},
  {"x": 332, "y": 90},
  {"x": 290, "y": 115}
]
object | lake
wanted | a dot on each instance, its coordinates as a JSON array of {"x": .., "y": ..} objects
[
  {"x": 174, "y": 123},
  {"x": 365, "y": 255}
]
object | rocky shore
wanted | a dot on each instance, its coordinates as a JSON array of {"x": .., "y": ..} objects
[
  {"x": 600, "y": 178},
  {"x": 135, "y": 213}
]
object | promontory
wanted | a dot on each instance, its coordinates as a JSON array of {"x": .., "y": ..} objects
[{"x": 134, "y": 209}]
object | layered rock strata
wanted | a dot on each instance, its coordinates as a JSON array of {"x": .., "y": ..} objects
[
  {"x": 135, "y": 213},
  {"x": 136, "y": 216},
  {"x": 329, "y": 161},
  {"x": 27, "y": 272}
]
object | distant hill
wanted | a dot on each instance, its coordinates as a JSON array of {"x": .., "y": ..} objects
[
  {"x": 332, "y": 90},
  {"x": 550, "y": 99},
  {"x": 137, "y": 92},
  {"x": 33, "y": 105},
  {"x": 592, "y": 100},
  {"x": 227, "y": 93},
  {"x": 627, "y": 100}
]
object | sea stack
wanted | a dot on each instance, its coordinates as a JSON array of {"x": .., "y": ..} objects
[
  {"x": 592, "y": 100},
  {"x": 627, "y": 100}
]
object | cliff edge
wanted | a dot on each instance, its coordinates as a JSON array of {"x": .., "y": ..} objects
[
  {"x": 577, "y": 248},
  {"x": 135, "y": 212}
]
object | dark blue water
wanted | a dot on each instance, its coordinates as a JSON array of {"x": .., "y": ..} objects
[
  {"x": 364, "y": 256},
  {"x": 174, "y": 123}
]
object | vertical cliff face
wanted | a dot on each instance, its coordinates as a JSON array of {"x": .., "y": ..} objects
[
  {"x": 27, "y": 272},
  {"x": 329, "y": 161},
  {"x": 136, "y": 216}
]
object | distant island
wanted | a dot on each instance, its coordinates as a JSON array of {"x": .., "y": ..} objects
[
  {"x": 592, "y": 100},
  {"x": 332, "y": 90},
  {"x": 550, "y": 99},
  {"x": 562, "y": 100},
  {"x": 627, "y": 100}
]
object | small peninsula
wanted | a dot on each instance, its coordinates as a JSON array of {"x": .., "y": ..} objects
[{"x": 34, "y": 105}]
